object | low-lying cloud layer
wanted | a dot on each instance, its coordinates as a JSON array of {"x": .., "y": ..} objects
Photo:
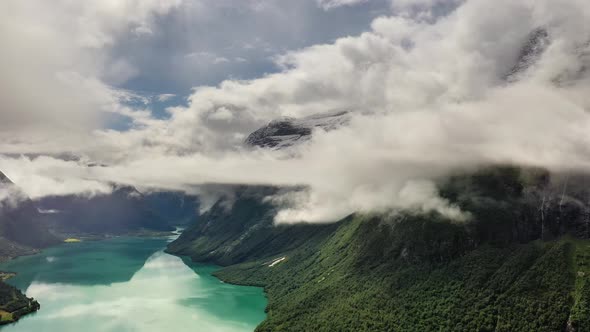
[{"x": 433, "y": 90}]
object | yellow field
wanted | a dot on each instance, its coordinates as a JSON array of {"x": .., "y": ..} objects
[
  {"x": 5, "y": 316},
  {"x": 72, "y": 240}
]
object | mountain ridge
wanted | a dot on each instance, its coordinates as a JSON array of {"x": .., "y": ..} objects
[
  {"x": 286, "y": 132},
  {"x": 525, "y": 250}
]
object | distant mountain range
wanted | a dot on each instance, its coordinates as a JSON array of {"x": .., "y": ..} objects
[
  {"x": 27, "y": 225},
  {"x": 122, "y": 211},
  {"x": 22, "y": 228}
]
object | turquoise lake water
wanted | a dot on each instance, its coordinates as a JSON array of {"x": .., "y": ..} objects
[{"x": 129, "y": 284}]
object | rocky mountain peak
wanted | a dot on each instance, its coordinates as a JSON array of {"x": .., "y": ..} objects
[
  {"x": 536, "y": 43},
  {"x": 4, "y": 179},
  {"x": 288, "y": 131}
]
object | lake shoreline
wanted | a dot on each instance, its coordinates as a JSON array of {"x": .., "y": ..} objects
[
  {"x": 12, "y": 316},
  {"x": 241, "y": 308}
]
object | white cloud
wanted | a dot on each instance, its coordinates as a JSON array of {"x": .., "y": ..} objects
[
  {"x": 430, "y": 99},
  {"x": 56, "y": 65},
  {"x": 46, "y": 176},
  {"x": 424, "y": 9},
  {"x": 165, "y": 97},
  {"x": 220, "y": 59},
  {"x": 10, "y": 196}
]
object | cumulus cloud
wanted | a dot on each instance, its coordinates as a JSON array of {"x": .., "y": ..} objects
[
  {"x": 48, "y": 176},
  {"x": 424, "y": 9},
  {"x": 56, "y": 67},
  {"x": 429, "y": 97}
]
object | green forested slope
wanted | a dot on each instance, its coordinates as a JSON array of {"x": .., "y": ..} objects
[
  {"x": 243, "y": 232},
  {"x": 14, "y": 304},
  {"x": 520, "y": 263},
  {"x": 351, "y": 283}
]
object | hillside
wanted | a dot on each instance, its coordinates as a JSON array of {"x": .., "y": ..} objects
[
  {"x": 13, "y": 304},
  {"x": 23, "y": 229},
  {"x": 177, "y": 208},
  {"x": 123, "y": 211},
  {"x": 22, "y": 232},
  {"x": 360, "y": 279},
  {"x": 520, "y": 264},
  {"x": 243, "y": 232}
]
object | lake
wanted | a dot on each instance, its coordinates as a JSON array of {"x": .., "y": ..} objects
[{"x": 129, "y": 284}]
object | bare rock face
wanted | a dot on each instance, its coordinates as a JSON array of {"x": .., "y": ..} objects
[
  {"x": 532, "y": 50},
  {"x": 288, "y": 132},
  {"x": 4, "y": 179}
]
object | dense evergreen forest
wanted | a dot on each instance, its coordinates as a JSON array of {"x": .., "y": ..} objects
[
  {"x": 519, "y": 264},
  {"x": 14, "y": 304},
  {"x": 362, "y": 280}
]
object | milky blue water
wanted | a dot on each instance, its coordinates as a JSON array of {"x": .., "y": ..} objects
[{"x": 129, "y": 284}]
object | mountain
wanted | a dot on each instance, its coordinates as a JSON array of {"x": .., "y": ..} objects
[
  {"x": 243, "y": 231},
  {"x": 287, "y": 132},
  {"x": 22, "y": 228},
  {"x": 25, "y": 225},
  {"x": 535, "y": 45},
  {"x": 14, "y": 304},
  {"x": 177, "y": 207},
  {"x": 532, "y": 50},
  {"x": 520, "y": 263},
  {"x": 122, "y": 211},
  {"x": 22, "y": 232},
  {"x": 384, "y": 275}
]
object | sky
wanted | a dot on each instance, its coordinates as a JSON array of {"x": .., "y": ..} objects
[{"x": 163, "y": 94}]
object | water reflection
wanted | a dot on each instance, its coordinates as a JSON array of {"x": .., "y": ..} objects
[
  {"x": 95, "y": 289},
  {"x": 86, "y": 263}
]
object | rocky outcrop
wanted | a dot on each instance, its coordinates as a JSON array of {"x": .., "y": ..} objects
[
  {"x": 532, "y": 50},
  {"x": 287, "y": 132}
]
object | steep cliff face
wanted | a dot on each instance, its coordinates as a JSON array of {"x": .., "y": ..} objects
[
  {"x": 511, "y": 204},
  {"x": 177, "y": 208}
]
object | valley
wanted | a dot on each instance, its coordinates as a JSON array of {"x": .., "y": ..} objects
[
  {"x": 295, "y": 166},
  {"x": 509, "y": 268},
  {"x": 129, "y": 284}
]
